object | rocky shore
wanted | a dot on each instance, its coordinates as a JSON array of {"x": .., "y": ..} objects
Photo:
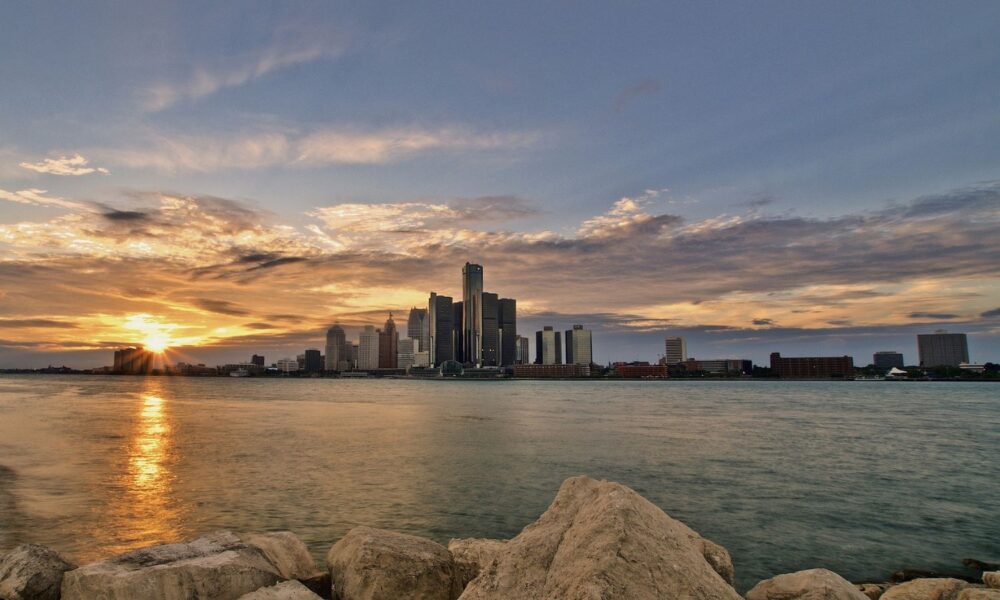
[{"x": 598, "y": 540}]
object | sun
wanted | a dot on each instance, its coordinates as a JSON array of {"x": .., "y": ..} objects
[
  {"x": 155, "y": 334},
  {"x": 156, "y": 342}
]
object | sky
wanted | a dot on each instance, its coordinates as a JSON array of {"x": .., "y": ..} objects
[{"x": 232, "y": 178}]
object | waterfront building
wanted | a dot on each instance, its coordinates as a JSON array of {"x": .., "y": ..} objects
[
  {"x": 522, "y": 351},
  {"x": 579, "y": 346},
  {"x": 133, "y": 360},
  {"x": 301, "y": 358},
  {"x": 421, "y": 359},
  {"x": 556, "y": 371},
  {"x": 440, "y": 327},
  {"x": 507, "y": 321},
  {"x": 490, "y": 351},
  {"x": 337, "y": 358},
  {"x": 405, "y": 353},
  {"x": 472, "y": 313},
  {"x": 458, "y": 331},
  {"x": 675, "y": 350},
  {"x": 352, "y": 361},
  {"x": 313, "y": 361},
  {"x": 388, "y": 345},
  {"x": 942, "y": 349},
  {"x": 719, "y": 366},
  {"x": 287, "y": 365},
  {"x": 368, "y": 349},
  {"x": 811, "y": 367},
  {"x": 417, "y": 330},
  {"x": 887, "y": 359},
  {"x": 641, "y": 370},
  {"x": 257, "y": 360},
  {"x": 548, "y": 346}
]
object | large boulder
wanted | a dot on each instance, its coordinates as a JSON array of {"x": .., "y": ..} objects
[
  {"x": 601, "y": 540},
  {"x": 286, "y": 590},
  {"x": 374, "y": 564},
  {"x": 874, "y": 591},
  {"x": 992, "y": 579},
  {"x": 31, "y": 572},
  {"x": 719, "y": 559},
  {"x": 220, "y": 566},
  {"x": 979, "y": 594},
  {"x": 472, "y": 555},
  {"x": 812, "y": 584},
  {"x": 938, "y": 588}
]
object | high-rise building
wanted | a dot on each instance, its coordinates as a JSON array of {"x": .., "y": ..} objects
[
  {"x": 314, "y": 361},
  {"x": 417, "y": 330},
  {"x": 522, "y": 350},
  {"x": 942, "y": 349},
  {"x": 458, "y": 331},
  {"x": 336, "y": 349},
  {"x": 472, "y": 317},
  {"x": 676, "y": 350},
  {"x": 257, "y": 360},
  {"x": 440, "y": 327},
  {"x": 368, "y": 350},
  {"x": 579, "y": 346},
  {"x": 352, "y": 360},
  {"x": 388, "y": 345},
  {"x": 490, "y": 351},
  {"x": 133, "y": 360},
  {"x": 548, "y": 346},
  {"x": 507, "y": 320},
  {"x": 887, "y": 359},
  {"x": 405, "y": 354}
]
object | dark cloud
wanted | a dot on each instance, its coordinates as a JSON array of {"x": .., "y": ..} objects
[
  {"x": 763, "y": 321},
  {"x": 259, "y": 325},
  {"x": 646, "y": 87},
  {"x": 991, "y": 313},
  {"x": 223, "y": 307},
  {"x": 125, "y": 215},
  {"x": 39, "y": 323},
  {"x": 277, "y": 262},
  {"x": 932, "y": 315},
  {"x": 494, "y": 208}
]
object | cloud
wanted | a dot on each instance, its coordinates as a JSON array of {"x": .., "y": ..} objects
[
  {"x": 646, "y": 87},
  {"x": 37, "y": 323},
  {"x": 932, "y": 315},
  {"x": 75, "y": 165},
  {"x": 991, "y": 313},
  {"x": 291, "y": 48},
  {"x": 38, "y": 197},
  {"x": 222, "y": 307},
  {"x": 762, "y": 322}
]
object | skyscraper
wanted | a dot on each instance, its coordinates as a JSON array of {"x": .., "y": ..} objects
[
  {"x": 490, "y": 352},
  {"x": 368, "y": 351},
  {"x": 676, "y": 350},
  {"x": 522, "y": 353},
  {"x": 579, "y": 346},
  {"x": 472, "y": 315},
  {"x": 388, "y": 345},
  {"x": 507, "y": 320},
  {"x": 942, "y": 349},
  {"x": 314, "y": 361},
  {"x": 458, "y": 331},
  {"x": 548, "y": 346},
  {"x": 336, "y": 351},
  {"x": 440, "y": 320},
  {"x": 417, "y": 330},
  {"x": 887, "y": 359},
  {"x": 406, "y": 353}
]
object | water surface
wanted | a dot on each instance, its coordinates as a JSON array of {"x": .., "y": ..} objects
[{"x": 862, "y": 478}]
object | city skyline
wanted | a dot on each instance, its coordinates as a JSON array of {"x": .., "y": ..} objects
[{"x": 815, "y": 179}]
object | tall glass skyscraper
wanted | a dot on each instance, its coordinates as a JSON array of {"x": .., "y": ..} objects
[
  {"x": 472, "y": 313},
  {"x": 491, "y": 331},
  {"x": 440, "y": 327}
]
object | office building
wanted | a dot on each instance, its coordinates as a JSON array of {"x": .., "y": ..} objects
[
  {"x": 352, "y": 361},
  {"x": 579, "y": 346},
  {"x": 942, "y": 349},
  {"x": 641, "y": 370},
  {"x": 472, "y": 313},
  {"x": 507, "y": 322},
  {"x": 134, "y": 360},
  {"x": 313, "y": 361},
  {"x": 417, "y": 329},
  {"x": 421, "y": 359},
  {"x": 811, "y": 367},
  {"x": 337, "y": 358},
  {"x": 887, "y": 359},
  {"x": 257, "y": 360},
  {"x": 440, "y": 319},
  {"x": 490, "y": 351},
  {"x": 388, "y": 345},
  {"x": 458, "y": 331},
  {"x": 287, "y": 365},
  {"x": 675, "y": 350},
  {"x": 719, "y": 366},
  {"x": 555, "y": 371},
  {"x": 405, "y": 354},
  {"x": 522, "y": 351},
  {"x": 368, "y": 350},
  {"x": 548, "y": 346}
]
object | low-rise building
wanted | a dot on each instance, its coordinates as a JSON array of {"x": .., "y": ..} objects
[
  {"x": 640, "y": 370},
  {"x": 557, "y": 371},
  {"x": 811, "y": 367}
]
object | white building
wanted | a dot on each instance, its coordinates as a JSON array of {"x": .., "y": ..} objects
[
  {"x": 287, "y": 365},
  {"x": 368, "y": 349},
  {"x": 579, "y": 346},
  {"x": 421, "y": 359},
  {"x": 404, "y": 351},
  {"x": 337, "y": 355},
  {"x": 676, "y": 351},
  {"x": 548, "y": 346}
]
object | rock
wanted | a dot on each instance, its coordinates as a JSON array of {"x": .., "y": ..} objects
[
  {"x": 218, "y": 566},
  {"x": 992, "y": 579},
  {"x": 926, "y": 589},
  {"x": 32, "y": 572},
  {"x": 601, "y": 540},
  {"x": 374, "y": 564},
  {"x": 471, "y": 555},
  {"x": 720, "y": 561},
  {"x": 873, "y": 590},
  {"x": 979, "y": 594},
  {"x": 972, "y": 563},
  {"x": 288, "y": 590},
  {"x": 319, "y": 584},
  {"x": 813, "y": 584},
  {"x": 286, "y": 552}
]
